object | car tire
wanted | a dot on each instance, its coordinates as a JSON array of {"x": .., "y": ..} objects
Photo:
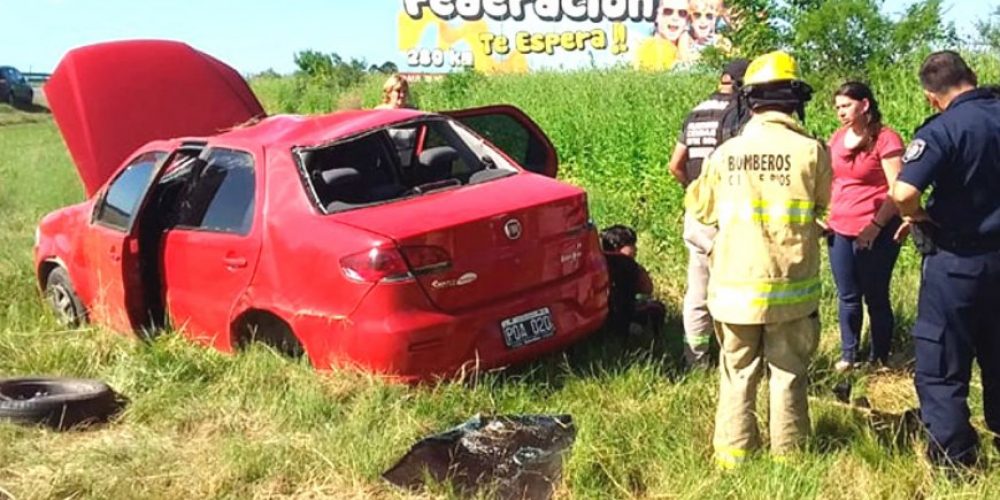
[
  {"x": 59, "y": 403},
  {"x": 11, "y": 98},
  {"x": 63, "y": 299}
]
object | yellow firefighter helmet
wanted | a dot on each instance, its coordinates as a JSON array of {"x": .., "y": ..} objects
[{"x": 772, "y": 67}]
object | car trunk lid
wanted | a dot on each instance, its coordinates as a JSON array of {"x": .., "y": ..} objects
[{"x": 503, "y": 237}]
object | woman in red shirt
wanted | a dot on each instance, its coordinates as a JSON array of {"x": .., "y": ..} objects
[{"x": 866, "y": 159}]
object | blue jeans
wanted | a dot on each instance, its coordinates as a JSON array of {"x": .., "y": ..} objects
[{"x": 864, "y": 275}]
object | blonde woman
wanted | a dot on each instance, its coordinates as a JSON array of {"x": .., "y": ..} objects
[{"x": 395, "y": 92}]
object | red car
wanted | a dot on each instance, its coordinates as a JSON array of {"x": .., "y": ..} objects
[{"x": 399, "y": 241}]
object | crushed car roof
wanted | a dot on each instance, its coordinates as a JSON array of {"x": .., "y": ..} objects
[{"x": 282, "y": 131}]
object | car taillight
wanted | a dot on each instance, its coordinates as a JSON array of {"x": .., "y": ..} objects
[
  {"x": 375, "y": 265},
  {"x": 393, "y": 264},
  {"x": 578, "y": 216},
  {"x": 585, "y": 205}
]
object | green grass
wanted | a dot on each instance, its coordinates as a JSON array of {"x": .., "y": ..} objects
[
  {"x": 14, "y": 116},
  {"x": 203, "y": 424}
]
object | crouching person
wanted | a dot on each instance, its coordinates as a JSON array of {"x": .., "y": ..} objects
[
  {"x": 632, "y": 308},
  {"x": 763, "y": 189}
]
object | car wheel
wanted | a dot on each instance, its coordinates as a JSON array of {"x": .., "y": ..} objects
[
  {"x": 11, "y": 98},
  {"x": 261, "y": 328},
  {"x": 59, "y": 403},
  {"x": 62, "y": 297}
]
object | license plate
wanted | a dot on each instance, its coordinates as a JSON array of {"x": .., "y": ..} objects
[{"x": 527, "y": 328}]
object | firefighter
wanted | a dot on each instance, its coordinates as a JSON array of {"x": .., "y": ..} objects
[{"x": 764, "y": 190}]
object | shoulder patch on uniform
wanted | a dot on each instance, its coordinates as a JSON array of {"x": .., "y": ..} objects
[{"x": 914, "y": 151}]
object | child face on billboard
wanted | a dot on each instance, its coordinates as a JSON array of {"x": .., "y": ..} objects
[
  {"x": 704, "y": 15},
  {"x": 672, "y": 19}
]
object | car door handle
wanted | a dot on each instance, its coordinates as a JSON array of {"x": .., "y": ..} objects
[
  {"x": 235, "y": 262},
  {"x": 116, "y": 256}
]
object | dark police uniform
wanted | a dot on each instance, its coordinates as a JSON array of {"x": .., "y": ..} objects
[
  {"x": 958, "y": 317},
  {"x": 701, "y": 131}
]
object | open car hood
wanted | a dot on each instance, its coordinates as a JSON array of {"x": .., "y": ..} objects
[{"x": 110, "y": 98}]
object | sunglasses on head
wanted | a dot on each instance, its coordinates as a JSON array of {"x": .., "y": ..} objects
[
  {"x": 667, "y": 11},
  {"x": 707, "y": 15}
]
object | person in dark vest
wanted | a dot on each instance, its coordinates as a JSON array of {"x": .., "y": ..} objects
[
  {"x": 957, "y": 152},
  {"x": 701, "y": 134},
  {"x": 632, "y": 308}
]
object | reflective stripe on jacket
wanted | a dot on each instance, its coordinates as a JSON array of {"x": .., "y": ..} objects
[{"x": 764, "y": 189}]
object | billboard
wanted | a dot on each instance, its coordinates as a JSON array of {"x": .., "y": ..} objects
[{"x": 524, "y": 35}]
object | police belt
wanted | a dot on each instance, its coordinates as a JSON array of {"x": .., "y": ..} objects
[{"x": 955, "y": 242}]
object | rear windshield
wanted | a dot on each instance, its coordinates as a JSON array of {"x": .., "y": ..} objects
[{"x": 399, "y": 162}]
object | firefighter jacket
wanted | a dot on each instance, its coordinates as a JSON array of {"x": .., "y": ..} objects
[{"x": 764, "y": 190}]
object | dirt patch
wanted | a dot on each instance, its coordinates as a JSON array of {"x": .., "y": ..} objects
[
  {"x": 892, "y": 391},
  {"x": 39, "y": 99}
]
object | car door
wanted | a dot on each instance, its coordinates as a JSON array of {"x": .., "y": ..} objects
[
  {"x": 513, "y": 132},
  {"x": 209, "y": 255},
  {"x": 111, "y": 247}
]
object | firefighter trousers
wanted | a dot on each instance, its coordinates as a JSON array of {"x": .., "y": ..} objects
[
  {"x": 785, "y": 349},
  {"x": 698, "y": 325}
]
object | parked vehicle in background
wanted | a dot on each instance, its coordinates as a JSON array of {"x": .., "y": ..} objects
[
  {"x": 407, "y": 243},
  {"x": 14, "y": 88}
]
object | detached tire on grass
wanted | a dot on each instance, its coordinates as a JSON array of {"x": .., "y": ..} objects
[{"x": 59, "y": 403}]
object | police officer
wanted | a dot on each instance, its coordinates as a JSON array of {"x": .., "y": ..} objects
[
  {"x": 764, "y": 189},
  {"x": 699, "y": 136},
  {"x": 958, "y": 315}
]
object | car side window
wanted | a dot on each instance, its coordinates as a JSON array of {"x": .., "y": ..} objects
[
  {"x": 119, "y": 203},
  {"x": 528, "y": 147},
  {"x": 222, "y": 196},
  {"x": 507, "y": 134}
]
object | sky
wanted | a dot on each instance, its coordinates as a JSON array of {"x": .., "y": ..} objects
[{"x": 250, "y": 35}]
